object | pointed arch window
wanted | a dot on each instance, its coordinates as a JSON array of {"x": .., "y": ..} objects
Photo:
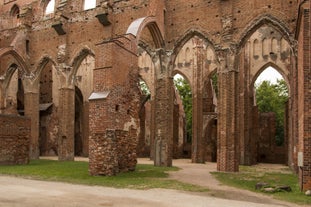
[
  {"x": 15, "y": 15},
  {"x": 50, "y": 7},
  {"x": 89, "y": 4},
  {"x": 15, "y": 11}
]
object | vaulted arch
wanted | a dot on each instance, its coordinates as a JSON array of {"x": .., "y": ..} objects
[
  {"x": 14, "y": 11},
  {"x": 137, "y": 26},
  {"x": 44, "y": 60},
  {"x": 271, "y": 45},
  {"x": 276, "y": 67},
  {"x": 8, "y": 75},
  {"x": 264, "y": 20},
  {"x": 19, "y": 59},
  {"x": 187, "y": 36},
  {"x": 79, "y": 56}
]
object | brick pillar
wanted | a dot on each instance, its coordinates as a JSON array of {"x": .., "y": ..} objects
[
  {"x": 32, "y": 111},
  {"x": 227, "y": 150},
  {"x": 152, "y": 129},
  {"x": 66, "y": 127},
  {"x": 245, "y": 115},
  {"x": 163, "y": 111},
  {"x": 103, "y": 153},
  {"x": 304, "y": 76},
  {"x": 198, "y": 144},
  {"x": 2, "y": 99}
]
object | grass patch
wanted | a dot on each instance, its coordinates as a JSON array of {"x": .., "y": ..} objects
[
  {"x": 249, "y": 176},
  {"x": 144, "y": 177}
]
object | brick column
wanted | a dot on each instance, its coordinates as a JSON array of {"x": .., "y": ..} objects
[
  {"x": 198, "y": 145},
  {"x": 227, "y": 150},
  {"x": 32, "y": 111},
  {"x": 1, "y": 99},
  {"x": 152, "y": 130},
  {"x": 163, "y": 111},
  {"x": 304, "y": 77},
  {"x": 66, "y": 126}
]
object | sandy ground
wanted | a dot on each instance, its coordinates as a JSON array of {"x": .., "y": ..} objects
[{"x": 16, "y": 192}]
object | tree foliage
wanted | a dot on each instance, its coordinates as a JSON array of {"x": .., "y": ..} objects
[
  {"x": 144, "y": 88},
  {"x": 186, "y": 96},
  {"x": 272, "y": 98}
]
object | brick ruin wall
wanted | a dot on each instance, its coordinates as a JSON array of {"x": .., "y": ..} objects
[
  {"x": 267, "y": 149},
  {"x": 14, "y": 140},
  {"x": 227, "y": 22},
  {"x": 112, "y": 152}
]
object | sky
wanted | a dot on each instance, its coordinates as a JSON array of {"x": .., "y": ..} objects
[
  {"x": 269, "y": 74},
  {"x": 88, "y": 4}
]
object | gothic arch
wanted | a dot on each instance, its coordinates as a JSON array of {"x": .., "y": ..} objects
[
  {"x": 41, "y": 64},
  {"x": 15, "y": 11},
  {"x": 20, "y": 61},
  {"x": 264, "y": 20},
  {"x": 44, "y": 4},
  {"x": 186, "y": 37},
  {"x": 137, "y": 26},
  {"x": 177, "y": 71},
  {"x": 277, "y": 68},
  {"x": 79, "y": 57},
  {"x": 9, "y": 73}
]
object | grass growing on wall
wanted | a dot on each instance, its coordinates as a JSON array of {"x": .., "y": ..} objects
[
  {"x": 144, "y": 177},
  {"x": 249, "y": 176}
]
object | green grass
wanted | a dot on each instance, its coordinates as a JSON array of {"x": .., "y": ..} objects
[
  {"x": 248, "y": 177},
  {"x": 144, "y": 177}
]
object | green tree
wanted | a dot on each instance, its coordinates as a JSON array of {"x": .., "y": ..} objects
[
  {"x": 186, "y": 96},
  {"x": 272, "y": 98},
  {"x": 144, "y": 88}
]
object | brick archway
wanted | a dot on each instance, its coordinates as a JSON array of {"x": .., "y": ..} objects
[
  {"x": 20, "y": 60},
  {"x": 265, "y": 43},
  {"x": 137, "y": 26}
]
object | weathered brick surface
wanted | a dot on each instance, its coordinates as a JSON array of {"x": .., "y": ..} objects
[
  {"x": 268, "y": 151},
  {"x": 238, "y": 39},
  {"x": 304, "y": 75},
  {"x": 112, "y": 152},
  {"x": 14, "y": 140}
]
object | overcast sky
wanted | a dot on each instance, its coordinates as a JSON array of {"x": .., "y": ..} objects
[
  {"x": 88, "y": 4},
  {"x": 269, "y": 74}
]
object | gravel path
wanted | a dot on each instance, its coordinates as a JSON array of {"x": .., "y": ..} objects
[{"x": 18, "y": 192}]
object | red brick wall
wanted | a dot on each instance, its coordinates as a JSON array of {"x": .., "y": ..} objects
[
  {"x": 304, "y": 75},
  {"x": 268, "y": 151},
  {"x": 14, "y": 139}
]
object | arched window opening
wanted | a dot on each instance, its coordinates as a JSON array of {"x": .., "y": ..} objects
[
  {"x": 89, "y": 4},
  {"x": 182, "y": 135},
  {"x": 15, "y": 15},
  {"x": 47, "y": 145},
  {"x": 184, "y": 94},
  {"x": 144, "y": 138},
  {"x": 271, "y": 97},
  {"x": 50, "y": 7},
  {"x": 15, "y": 11}
]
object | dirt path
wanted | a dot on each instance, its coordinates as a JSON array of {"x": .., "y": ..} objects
[
  {"x": 17, "y": 192},
  {"x": 199, "y": 174}
]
